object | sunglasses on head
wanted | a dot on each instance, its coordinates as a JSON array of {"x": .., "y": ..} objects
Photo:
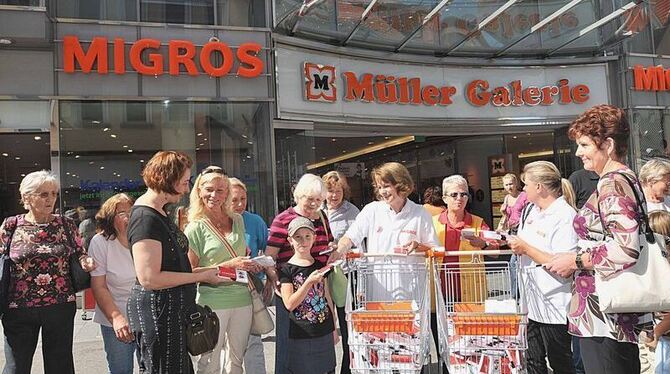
[
  {"x": 213, "y": 169},
  {"x": 454, "y": 195}
]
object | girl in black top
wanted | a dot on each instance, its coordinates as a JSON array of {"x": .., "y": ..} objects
[
  {"x": 165, "y": 291},
  {"x": 312, "y": 335}
]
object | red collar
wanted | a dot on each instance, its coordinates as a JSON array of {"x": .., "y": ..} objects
[{"x": 467, "y": 221}]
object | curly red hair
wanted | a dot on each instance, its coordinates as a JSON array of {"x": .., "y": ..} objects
[
  {"x": 164, "y": 170},
  {"x": 602, "y": 122}
]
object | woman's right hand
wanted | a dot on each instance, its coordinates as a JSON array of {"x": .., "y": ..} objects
[
  {"x": 243, "y": 263},
  {"x": 122, "y": 329},
  {"x": 211, "y": 276},
  {"x": 314, "y": 278}
]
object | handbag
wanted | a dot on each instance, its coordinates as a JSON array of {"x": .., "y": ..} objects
[
  {"x": 202, "y": 330},
  {"x": 6, "y": 266},
  {"x": 643, "y": 287},
  {"x": 337, "y": 280},
  {"x": 81, "y": 279},
  {"x": 261, "y": 321}
]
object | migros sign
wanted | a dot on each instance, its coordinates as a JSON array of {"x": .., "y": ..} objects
[
  {"x": 320, "y": 85},
  {"x": 181, "y": 53}
]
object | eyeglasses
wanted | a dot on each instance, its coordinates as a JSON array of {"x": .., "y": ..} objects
[
  {"x": 213, "y": 169},
  {"x": 455, "y": 195}
]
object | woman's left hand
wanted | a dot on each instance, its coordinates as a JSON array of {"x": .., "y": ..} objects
[
  {"x": 562, "y": 264},
  {"x": 87, "y": 263},
  {"x": 517, "y": 245}
]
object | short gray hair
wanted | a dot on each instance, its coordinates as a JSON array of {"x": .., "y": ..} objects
[
  {"x": 654, "y": 171},
  {"x": 453, "y": 180},
  {"x": 308, "y": 185},
  {"x": 33, "y": 181}
]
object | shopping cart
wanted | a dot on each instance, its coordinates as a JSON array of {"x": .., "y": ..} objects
[
  {"x": 388, "y": 313},
  {"x": 482, "y": 322}
]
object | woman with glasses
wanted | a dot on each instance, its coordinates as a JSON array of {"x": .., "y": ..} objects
[
  {"x": 165, "y": 289},
  {"x": 309, "y": 194},
  {"x": 216, "y": 238},
  {"x": 41, "y": 298},
  {"x": 112, "y": 280}
]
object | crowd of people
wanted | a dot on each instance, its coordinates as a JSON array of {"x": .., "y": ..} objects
[{"x": 147, "y": 272}]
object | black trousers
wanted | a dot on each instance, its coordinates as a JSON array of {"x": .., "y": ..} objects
[
  {"x": 344, "y": 333},
  {"x": 22, "y": 328},
  {"x": 549, "y": 341},
  {"x": 607, "y": 356}
]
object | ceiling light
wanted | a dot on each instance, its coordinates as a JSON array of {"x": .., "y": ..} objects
[
  {"x": 250, "y": 142},
  {"x": 199, "y": 134},
  {"x": 37, "y": 137},
  {"x": 125, "y": 146},
  {"x": 96, "y": 122},
  {"x": 205, "y": 139},
  {"x": 91, "y": 162},
  {"x": 166, "y": 102},
  {"x": 105, "y": 129},
  {"x": 141, "y": 160},
  {"x": 6, "y": 41},
  {"x": 23, "y": 175},
  {"x": 130, "y": 151},
  {"x": 113, "y": 135},
  {"x": 102, "y": 168},
  {"x": 17, "y": 158},
  {"x": 5, "y": 154}
]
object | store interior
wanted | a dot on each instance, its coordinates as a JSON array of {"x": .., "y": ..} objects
[{"x": 428, "y": 158}]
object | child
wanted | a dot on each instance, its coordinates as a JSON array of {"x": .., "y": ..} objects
[
  {"x": 660, "y": 223},
  {"x": 312, "y": 334}
]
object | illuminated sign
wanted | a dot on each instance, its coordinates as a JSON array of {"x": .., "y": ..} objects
[
  {"x": 181, "y": 55},
  {"x": 390, "y": 89}
]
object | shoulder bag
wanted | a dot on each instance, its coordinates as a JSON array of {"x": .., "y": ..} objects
[
  {"x": 81, "y": 279},
  {"x": 6, "y": 266},
  {"x": 643, "y": 287},
  {"x": 202, "y": 325},
  {"x": 261, "y": 321}
]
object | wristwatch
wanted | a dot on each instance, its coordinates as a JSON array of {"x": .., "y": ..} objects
[{"x": 579, "y": 262}]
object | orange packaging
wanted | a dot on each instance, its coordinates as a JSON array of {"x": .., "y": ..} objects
[
  {"x": 487, "y": 324},
  {"x": 469, "y": 308}
]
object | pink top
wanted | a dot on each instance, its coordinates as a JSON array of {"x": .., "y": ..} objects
[{"x": 513, "y": 212}]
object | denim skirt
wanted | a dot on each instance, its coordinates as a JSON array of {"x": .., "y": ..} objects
[{"x": 311, "y": 356}]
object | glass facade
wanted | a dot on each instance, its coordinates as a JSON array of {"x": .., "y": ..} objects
[
  {"x": 105, "y": 144},
  {"x": 242, "y": 13}
]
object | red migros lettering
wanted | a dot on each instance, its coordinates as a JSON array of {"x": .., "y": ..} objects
[{"x": 181, "y": 55}]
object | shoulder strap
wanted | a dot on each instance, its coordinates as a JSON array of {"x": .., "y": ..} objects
[
  {"x": 323, "y": 222},
  {"x": 525, "y": 212},
  {"x": 220, "y": 236},
  {"x": 174, "y": 241}
]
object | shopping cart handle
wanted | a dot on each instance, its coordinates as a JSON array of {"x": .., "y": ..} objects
[
  {"x": 489, "y": 252},
  {"x": 354, "y": 255}
]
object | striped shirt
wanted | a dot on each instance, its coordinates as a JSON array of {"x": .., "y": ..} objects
[{"x": 279, "y": 236}]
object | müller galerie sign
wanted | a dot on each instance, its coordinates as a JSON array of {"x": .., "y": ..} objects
[
  {"x": 320, "y": 84},
  {"x": 146, "y": 58}
]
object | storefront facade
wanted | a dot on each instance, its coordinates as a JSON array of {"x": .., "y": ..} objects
[{"x": 104, "y": 85}]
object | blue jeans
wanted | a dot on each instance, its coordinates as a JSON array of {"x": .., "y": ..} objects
[{"x": 120, "y": 355}]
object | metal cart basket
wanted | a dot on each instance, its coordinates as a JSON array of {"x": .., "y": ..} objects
[
  {"x": 388, "y": 313},
  {"x": 482, "y": 322}
]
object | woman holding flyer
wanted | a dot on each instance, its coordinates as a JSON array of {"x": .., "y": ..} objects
[
  {"x": 545, "y": 231},
  {"x": 216, "y": 238}
]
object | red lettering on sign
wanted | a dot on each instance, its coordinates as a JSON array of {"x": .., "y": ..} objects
[
  {"x": 178, "y": 59},
  {"x": 355, "y": 90},
  {"x": 72, "y": 51},
  {"x": 156, "y": 65}
]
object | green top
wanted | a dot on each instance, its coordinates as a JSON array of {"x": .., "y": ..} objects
[{"x": 207, "y": 246}]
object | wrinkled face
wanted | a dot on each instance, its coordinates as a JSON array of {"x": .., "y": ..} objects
[
  {"x": 660, "y": 189},
  {"x": 456, "y": 197},
  {"x": 593, "y": 157},
  {"x": 213, "y": 193},
  {"x": 387, "y": 192},
  {"x": 121, "y": 216},
  {"x": 334, "y": 196},
  {"x": 43, "y": 200},
  {"x": 302, "y": 240},
  {"x": 509, "y": 185},
  {"x": 239, "y": 199},
  {"x": 309, "y": 205}
]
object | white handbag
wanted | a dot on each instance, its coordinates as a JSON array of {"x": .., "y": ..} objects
[{"x": 643, "y": 287}]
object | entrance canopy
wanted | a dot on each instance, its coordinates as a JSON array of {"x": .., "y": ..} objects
[{"x": 482, "y": 28}]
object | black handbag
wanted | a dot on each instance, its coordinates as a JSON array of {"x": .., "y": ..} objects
[
  {"x": 202, "y": 330},
  {"x": 81, "y": 279},
  {"x": 6, "y": 266}
]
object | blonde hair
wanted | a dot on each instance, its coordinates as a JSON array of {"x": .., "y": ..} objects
[
  {"x": 548, "y": 175},
  {"x": 334, "y": 179},
  {"x": 453, "y": 180},
  {"x": 654, "y": 171},
  {"x": 308, "y": 185},
  {"x": 659, "y": 221},
  {"x": 511, "y": 177},
  {"x": 234, "y": 182},
  {"x": 196, "y": 209},
  {"x": 396, "y": 174},
  {"x": 33, "y": 181}
]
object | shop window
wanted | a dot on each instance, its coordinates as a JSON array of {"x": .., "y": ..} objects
[
  {"x": 652, "y": 135},
  {"x": 243, "y": 13},
  {"x": 199, "y": 12},
  {"x": 97, "y": 162},
  {"x": 115, "y": 10},
  {"x": 91, "y": 113},
  {"x": 22, "y": 2}
]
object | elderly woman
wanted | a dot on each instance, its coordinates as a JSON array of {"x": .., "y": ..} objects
[
  {"x": 256, "y": 232},
  {"x": 545, "y": 231},
  {"x": 112, "y": 280},
  {"x": 512, "y": 204},
  {"x": 166, "y": 289},
  {"x": 216, "y": 238},
  {"x": 41, "y": 297},
  {"x": 341, "y": 214},
  {"x": 655, "y": 180},
  {"x": 309, "y": 194},
  {"x": 607, "y": 341}
]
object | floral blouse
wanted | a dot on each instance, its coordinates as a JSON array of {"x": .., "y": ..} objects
[
  {"x": 610, "y": 254},
  {"x": 40, "y": 270}
]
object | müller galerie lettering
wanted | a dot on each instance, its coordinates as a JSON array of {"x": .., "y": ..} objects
[{"x": 385, "y": 89}]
